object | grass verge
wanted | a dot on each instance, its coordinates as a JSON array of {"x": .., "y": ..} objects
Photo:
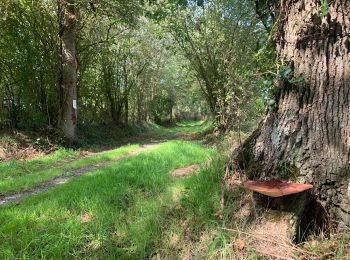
[
  {"x": 13, "y": 180},
  {"x": 16, "y": 167}
]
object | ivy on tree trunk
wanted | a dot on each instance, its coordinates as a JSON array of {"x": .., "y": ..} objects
[{"x": 307, "y": 134}]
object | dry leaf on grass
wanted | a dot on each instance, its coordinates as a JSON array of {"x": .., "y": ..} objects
[
  {"x": 86, "y": 218},
  {"x": 239, "y": 244}
]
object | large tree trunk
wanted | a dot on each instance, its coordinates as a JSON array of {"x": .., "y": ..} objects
[
  {"x": 307, "y": 136},
  {"x": 68, "y": 73}
]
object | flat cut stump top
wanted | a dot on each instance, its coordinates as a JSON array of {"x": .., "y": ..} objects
[{"x": 182, "y": 172}]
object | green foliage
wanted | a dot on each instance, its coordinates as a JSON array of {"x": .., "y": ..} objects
[
  {"x": 118, "y": 60},
  {"x": 325, "y": 7},
  {"x": 296, "y": 80},
  {"x": 124, "y": 75},
  {"x": 198, "y": 54},
  {"x": 185, "y": 127},
  {"x": 286, "y": 73},
  {"x": 219, "y": 40},
  {"x": 161, "y": 106},
  {"x": 28, "y": 64},
  {"x": 271, "y": 104}
]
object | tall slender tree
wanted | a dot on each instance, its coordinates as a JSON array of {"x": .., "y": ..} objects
[{"x": 68, "y": 72}]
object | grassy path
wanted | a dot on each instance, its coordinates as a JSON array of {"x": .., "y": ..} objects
[
  {"x": 15, "y": 183},
  {"x": 29, "y": 176},
  {"x": 78, "y": 169},
  {"x": 125, "y": 203},
  {"x": 124, "y": 210},
  {"x": 25, "y": 176}
]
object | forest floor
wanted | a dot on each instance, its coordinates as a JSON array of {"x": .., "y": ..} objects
[{"x": 157, "y": 198}]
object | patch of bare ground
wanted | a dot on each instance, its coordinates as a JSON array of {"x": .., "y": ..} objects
[
  {"x": 17, "y": 197},
  {"x": 85, "y": 218},
  {"x": 270, "y": 236},
  {"x": 185, "y": 171},
  {"x": 269, "y": 231},
  {"x": 186, "y": 136}
]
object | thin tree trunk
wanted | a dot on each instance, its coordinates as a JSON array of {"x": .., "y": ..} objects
[
  {"x": 139, "y": 105},
  {"x": 307, "y": 136},
  {"x": 68, "y": 73},
  {"x": 112, "y": 104},
  {"x": 126, "y": 110}
]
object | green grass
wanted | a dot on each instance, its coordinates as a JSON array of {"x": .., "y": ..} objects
[
  {"x": 186, "y": 127},
  {"x": 134, "y": 208},
  {"x": 13, "y": 180},
  {"x": 16, "y": 167}
]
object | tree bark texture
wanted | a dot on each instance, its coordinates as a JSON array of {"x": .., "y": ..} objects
[
  {"x": 68, "y": 73},
  {"x": 307, "y": 135}
]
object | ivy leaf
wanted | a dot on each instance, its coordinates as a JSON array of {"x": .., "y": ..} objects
[
  {"x": 325, "y": 8},
  {"x": 285, "y": 72},
  {"x": 296, "y": 80}
]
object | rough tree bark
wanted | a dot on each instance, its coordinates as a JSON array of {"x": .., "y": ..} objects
[
  {"x": 68, "y": 72},
  {"x": 308, "y": 133}
]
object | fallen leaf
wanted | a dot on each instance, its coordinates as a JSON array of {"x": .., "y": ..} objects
[
  {"x": 314, "y": 243},
  {"x": 239, "y": 244}
]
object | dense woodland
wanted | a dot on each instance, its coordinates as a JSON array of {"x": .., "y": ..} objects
[
  {"x": 266, "y": 81},
  {"x": 127, "y": 62}
]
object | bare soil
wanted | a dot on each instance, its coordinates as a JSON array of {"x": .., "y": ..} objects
[{"x": 185, "y": 171}]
